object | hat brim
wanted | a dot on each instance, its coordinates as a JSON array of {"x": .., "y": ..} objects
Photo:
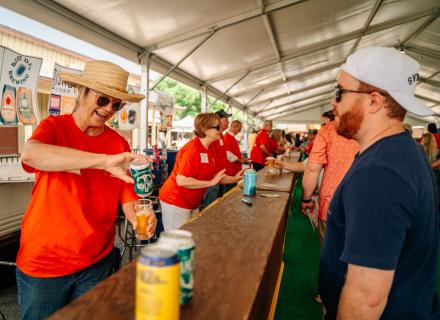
[
  {"x": 78, "y": 80},
  {"x": 411, "y": 104}
]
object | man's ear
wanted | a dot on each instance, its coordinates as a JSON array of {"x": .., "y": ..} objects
[{"x": 376, "y": 102}]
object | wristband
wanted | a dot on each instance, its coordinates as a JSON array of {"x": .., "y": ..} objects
[{"x": 306, "y": 201}]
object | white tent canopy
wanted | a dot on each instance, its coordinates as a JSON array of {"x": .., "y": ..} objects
[
  {"x": 275, "y": 59},
  {"x": 183, "y": 125}
]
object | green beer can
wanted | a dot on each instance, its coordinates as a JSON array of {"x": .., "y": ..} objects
[
  {"x": 182, "y": 242},
  {"x": 143, "y": 178}
]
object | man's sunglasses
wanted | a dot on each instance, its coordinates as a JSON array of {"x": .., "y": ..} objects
[
  {"x": 217, "y": 127},
  {"x": 102, "y": 101},
  {"x": 339, "y": 91}
]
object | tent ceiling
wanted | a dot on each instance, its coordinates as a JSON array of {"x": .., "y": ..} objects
[{"x": 277, "y": 59}]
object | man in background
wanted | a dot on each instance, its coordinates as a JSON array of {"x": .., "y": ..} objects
[
  {"x": 233, "y": 153},
  {"x": 261, "y": 149}
]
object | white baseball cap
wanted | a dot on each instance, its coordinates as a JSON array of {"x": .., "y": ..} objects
[{"x": 390, "y": 70}]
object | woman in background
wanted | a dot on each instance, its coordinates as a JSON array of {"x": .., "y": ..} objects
[{"x": 194, "y": 172}]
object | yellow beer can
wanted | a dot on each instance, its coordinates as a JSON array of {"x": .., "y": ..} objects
[{"x": 157, "y": 284}]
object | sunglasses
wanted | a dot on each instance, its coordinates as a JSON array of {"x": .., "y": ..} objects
[
  {"x": 217, "y": 127},
  {"x": 102, "y": 101},
  {"x": 339, "y": 91}
]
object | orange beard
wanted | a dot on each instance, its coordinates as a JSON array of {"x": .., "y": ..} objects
[{"x": 350, "y": 122}]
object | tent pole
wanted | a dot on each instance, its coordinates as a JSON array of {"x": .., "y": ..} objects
[
  {"x": 204, "y": 93},
  {"x": 145, "y": 89}
]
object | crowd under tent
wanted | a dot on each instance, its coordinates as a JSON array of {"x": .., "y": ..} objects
[{"x": 273, "y": 59}]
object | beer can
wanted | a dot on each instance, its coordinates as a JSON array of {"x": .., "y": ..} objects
[
  {"x": 143, "y": 178},
  {"x": 183, "y": 243},
  {"x": 250, "y": 183},
  {"x": 157, "y": 284}
]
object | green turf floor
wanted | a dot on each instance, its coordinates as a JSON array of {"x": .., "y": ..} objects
[{"x": 301, "y": 262}]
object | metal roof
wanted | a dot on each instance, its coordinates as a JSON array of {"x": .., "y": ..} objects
[{"x": 276, "y": 59}]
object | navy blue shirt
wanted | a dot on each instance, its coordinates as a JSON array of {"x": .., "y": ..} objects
[{"x": 384, "y": 215}]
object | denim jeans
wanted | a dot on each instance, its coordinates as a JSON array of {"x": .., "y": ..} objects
[
  {"x": 210, "y": 196},
  {"x": 38, "y": 298}
]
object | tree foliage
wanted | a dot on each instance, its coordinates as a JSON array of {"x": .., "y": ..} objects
[{"x": 191, "y": 99}]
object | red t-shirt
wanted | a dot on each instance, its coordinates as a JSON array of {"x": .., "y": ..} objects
[
  {"x": 309, "y": 148},
  {"x": 437, "y": 139},
  {"x": 194, "y": 161},
  {"x": 273, "y": 146},
  {"x": 219, "y": 150},
  {"x": 70, "y": 221},
  {"x": 233, "y": 154},
  {"x": 257, "y": 155}
]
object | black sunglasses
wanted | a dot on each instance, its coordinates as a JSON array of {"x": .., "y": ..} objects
[
  {"x": 217, "y": 127},
  {"x": 102, "y": 101},
  {"x": 339, "y": 91}
]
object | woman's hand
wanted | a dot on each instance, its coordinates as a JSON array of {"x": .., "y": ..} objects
[
  {"x": 130, "y": 213},
  {"x": 239, "y": 176},
  {"x": 118, "y": 164},
  {"x": 279, "y": 164},
  {"x": 152, "y": 223},
  {"x": 217, "y": 178}
]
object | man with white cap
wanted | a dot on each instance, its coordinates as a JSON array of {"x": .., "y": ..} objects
[{"x": 379, "y": 255}]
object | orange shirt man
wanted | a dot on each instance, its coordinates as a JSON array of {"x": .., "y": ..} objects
[{"x": 334, "y": 154}]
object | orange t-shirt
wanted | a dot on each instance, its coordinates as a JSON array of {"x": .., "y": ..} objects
[
  {"x": 336, "y": 154},
  {"x": 232, "y": 149},
  {"x": 70, "y": 221},
  {"x": 194, "y": 161},
  {"x": 257, "y": 155}
]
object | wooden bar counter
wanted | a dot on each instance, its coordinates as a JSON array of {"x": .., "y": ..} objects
[{"x": 238, "y": 258}]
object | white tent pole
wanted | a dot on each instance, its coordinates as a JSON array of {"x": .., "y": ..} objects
[
  {"x": 246, "y": 132},
  {"x": 145, "y": 89},
  {"x": 204, "y": 93},
  {"x": 154, "y": 127}
]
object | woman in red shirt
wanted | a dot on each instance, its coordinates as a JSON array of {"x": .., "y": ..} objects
[
  {"x": 80, "y": 166},
  {"x": 276, "y": 142},
  {"x": 194, "y": 171}
]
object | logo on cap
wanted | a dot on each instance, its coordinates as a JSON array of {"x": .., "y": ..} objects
[{"x": 413, "y": 78}]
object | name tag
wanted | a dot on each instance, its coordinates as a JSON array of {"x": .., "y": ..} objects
[
  {"x": 204, "y": 158},
  {"x": 221, "y": 142}
]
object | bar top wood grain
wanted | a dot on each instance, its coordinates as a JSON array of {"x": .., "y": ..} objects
[{"x": 238, "y": 255}]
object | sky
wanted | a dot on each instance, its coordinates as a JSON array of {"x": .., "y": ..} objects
[{"x": 41, "y": 31}]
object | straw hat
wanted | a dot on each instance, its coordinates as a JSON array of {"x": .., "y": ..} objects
[{"x": 105, "y": 77}]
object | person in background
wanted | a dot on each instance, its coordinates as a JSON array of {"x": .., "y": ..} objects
[
  {"x": 251, "y": 139},
  {"x": 221, "y": 160},
  {"x": 261, "y": 149},
  {"x": 276, "y": 143},
  {"x": 431, "y": 143},
  {"x": 311, "y": 139},
  {"x": 379, "y": 256},
  {"x": 81, "y": 172},
  {"x": 298, "y": 140},
  {"x": 289, "y": 142},
  {"x": 327, "y": 117},
  {"x": 334, "y": 154},
  {"x": 408, "y": 128},
  {"x": 194, "y": 172},
  {"x": 233, "y": 153}
]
